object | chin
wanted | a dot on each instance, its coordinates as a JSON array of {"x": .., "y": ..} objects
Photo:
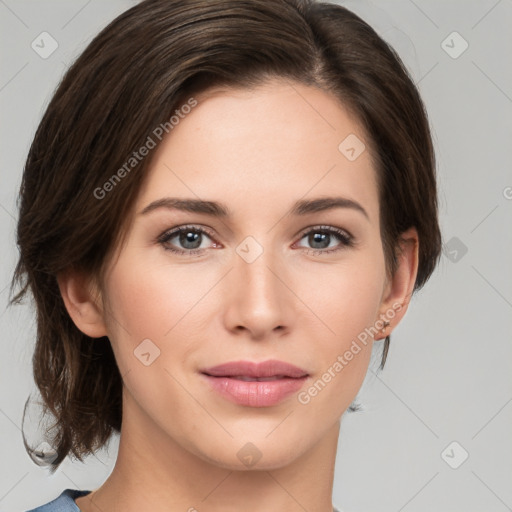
[{"x": 260, "y": 454}]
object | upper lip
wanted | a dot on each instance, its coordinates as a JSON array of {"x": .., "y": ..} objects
[{"x": 270, "y": 368}]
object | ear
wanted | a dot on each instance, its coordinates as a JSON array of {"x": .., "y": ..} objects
[
  {"x": 82, "y": 301},
  {"x": 399, "y": 288}
]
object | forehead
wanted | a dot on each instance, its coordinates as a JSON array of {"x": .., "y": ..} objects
[{"x": 255, "y": 149}]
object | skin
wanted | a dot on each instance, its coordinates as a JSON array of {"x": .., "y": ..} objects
[{"x": 257, "y": 151}]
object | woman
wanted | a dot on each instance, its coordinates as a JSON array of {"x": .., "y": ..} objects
[{"x": 225, "y": 204}]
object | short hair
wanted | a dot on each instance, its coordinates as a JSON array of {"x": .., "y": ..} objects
[{"x": 129, "y": 80}]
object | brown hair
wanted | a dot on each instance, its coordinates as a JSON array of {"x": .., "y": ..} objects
[{"x": 129, "y": 80}]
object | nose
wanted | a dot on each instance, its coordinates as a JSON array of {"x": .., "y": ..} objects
[{"x": 259, "y": 302}]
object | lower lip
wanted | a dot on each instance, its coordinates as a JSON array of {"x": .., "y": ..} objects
[{"x": 255, "y": 393}]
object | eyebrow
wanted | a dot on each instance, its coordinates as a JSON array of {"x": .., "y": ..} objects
[{"x": 216, "y": 209}]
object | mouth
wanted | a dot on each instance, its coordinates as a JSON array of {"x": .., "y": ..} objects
[
  {"x": 255, "y": 384},
  {"x": 271, "y": 369},
  {"x": 246, "y": 378}
]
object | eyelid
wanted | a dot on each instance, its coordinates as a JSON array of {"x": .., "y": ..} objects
[
  {"x": 192, "y": 227},
  {"x": 324, "y": 227}
]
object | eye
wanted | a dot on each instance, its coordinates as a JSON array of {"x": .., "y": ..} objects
[
  {"x": 320, "y": 237},
  {"x": 189, "y": 237}
]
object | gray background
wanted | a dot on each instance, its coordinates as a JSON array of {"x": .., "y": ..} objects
[{"x": 448, "y": 376}]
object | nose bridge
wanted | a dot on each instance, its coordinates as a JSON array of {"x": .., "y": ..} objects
[
  {"x": 255, "y": 265},
  {"x": 258, "y": 298}
]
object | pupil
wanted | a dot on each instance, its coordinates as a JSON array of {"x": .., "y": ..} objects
[
  {"x": 319, "y": 238},
  {"x": 191, "y": 237}
]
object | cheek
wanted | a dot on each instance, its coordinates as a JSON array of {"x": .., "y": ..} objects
[
  {"x": 160, "y": 302},
  {"x": 150, "y": 299},
  {"x": 347, "y": 300},
  {"x": 342, "y": 354},
  {"x": 346, "y": 297}
]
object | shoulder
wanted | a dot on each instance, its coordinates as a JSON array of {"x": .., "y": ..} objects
[{"x": 65, "y": 502}]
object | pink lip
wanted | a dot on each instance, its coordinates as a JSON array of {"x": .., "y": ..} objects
[
  {"x": 269, "y": 368},
  {"x": 225, "y": 379}
]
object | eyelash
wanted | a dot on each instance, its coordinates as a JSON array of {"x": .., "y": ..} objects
[{"x": 345, "y": 238}]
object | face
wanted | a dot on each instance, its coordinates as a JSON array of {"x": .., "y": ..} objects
[{"x": 265, "y": 281}]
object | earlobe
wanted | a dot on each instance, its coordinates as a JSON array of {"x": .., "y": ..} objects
[
  {"x": 400, "y": 287},
  {"x": 82, "y": 303}
]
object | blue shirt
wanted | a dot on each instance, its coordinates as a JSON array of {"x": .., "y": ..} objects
[
  {"x": 63, "y": 503},
  {"x": 66, "y": 502}
]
